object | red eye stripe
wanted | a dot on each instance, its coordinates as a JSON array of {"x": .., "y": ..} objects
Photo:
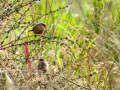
[{"x": 44, "y": 25}]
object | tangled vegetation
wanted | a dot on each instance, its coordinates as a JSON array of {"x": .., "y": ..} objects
[{"x": 81, "y": 44}]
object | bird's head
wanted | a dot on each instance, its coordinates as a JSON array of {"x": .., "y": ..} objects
[{"x": 44, "y": 25}]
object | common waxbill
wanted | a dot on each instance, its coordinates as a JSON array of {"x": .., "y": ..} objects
[
  {"x": 39, "y": 28},
  {"x": 42, "y": 67}
]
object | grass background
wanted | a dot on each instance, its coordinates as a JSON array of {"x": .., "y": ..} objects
[{"x": 81, "y": 44}]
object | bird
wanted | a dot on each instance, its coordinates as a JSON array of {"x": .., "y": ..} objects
[
  {"x": 42, "y": 67},
  {"x": 39, "y": 28}
]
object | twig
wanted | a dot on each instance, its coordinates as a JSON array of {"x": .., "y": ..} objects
[{"x": 75, "y": 83}]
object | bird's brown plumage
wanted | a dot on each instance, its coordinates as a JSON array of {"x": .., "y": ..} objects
[
  {"x": 42, "y": 67},
  {"x": 39, "y": 28}
]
